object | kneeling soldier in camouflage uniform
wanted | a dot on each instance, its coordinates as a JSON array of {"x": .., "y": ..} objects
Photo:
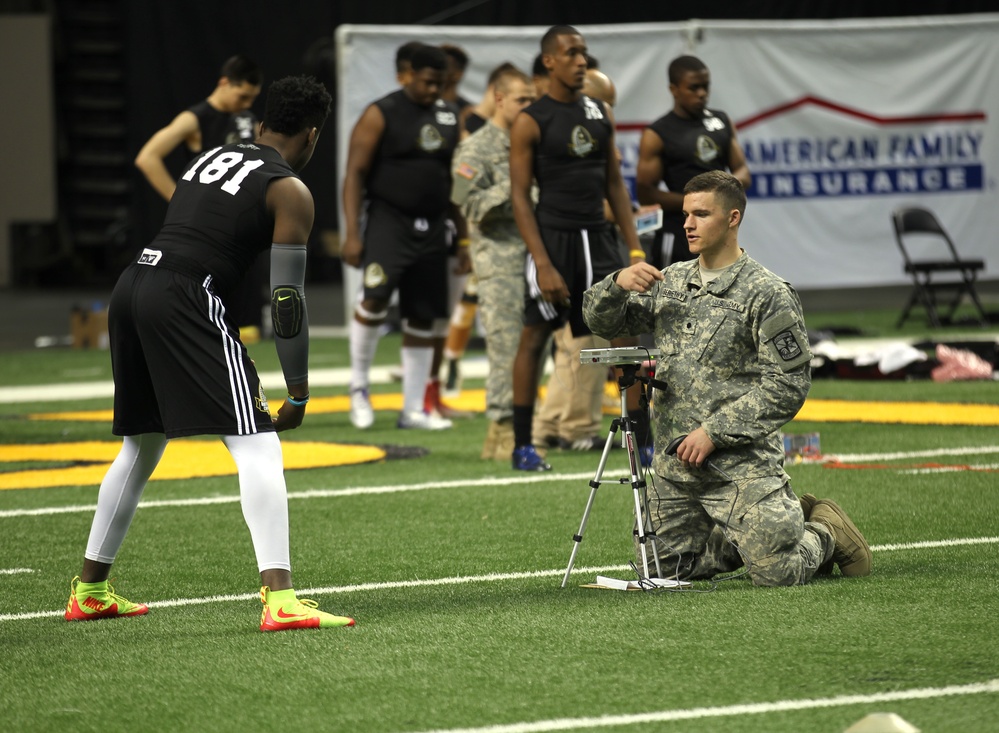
[{"x": 736, "y": 361}]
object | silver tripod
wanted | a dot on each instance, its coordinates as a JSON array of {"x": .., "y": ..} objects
[{"x": 629, "y": 360}]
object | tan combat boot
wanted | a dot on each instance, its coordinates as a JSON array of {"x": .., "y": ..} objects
[
  {"x": 504, "y": 440},
  {"x": 851, "y": 554}
]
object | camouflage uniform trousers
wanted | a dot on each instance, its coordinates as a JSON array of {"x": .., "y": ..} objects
[
  {"x": 501, "y": 312},
  {"x": 709, "y": 527}
]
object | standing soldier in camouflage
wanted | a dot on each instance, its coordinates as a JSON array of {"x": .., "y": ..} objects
[
  {"x": 481, "y": 188},
  {"x": 735, "y": 357}
]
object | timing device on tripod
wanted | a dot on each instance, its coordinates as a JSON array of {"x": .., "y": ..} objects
[{"x": 629, "y": 360}]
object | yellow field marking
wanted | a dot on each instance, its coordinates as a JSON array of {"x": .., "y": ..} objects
[
  {"x": 815, "y": 410},
  {"x": 908, "y": 413},
  {"x": 183, "y": 459}
]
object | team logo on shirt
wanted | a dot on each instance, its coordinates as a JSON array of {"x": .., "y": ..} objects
[
  {"x": 261, "y": 401},
  {"x": 787, "y": 346},
  {"x": 592, "y": 110},
  {"x": 446, "y": 117},
  {"x": 430, "y": 139},
  {"x": 243, "y": 128},
  {"x": 582, "y": 142},
  {"x": 712, "y": 123},
  {"x": 707, "y": 149},
  {"x": 374, "y": 275}
]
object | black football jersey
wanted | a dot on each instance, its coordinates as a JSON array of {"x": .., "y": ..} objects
[
  {"x": 222, "y": 128},
  {"x": 570, "y": 162},
  {"x": 693, "y": 146},
  {"x": 218, "y": 215},
  {"x": 412, "y": 168}
]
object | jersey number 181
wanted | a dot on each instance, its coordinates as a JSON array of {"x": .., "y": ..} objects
[{"x": 219, "y": 167}]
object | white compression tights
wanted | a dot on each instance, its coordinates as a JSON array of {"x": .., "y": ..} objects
[
  {"x": 263, "y": 495},
  {"x": 120, "y": 492}
]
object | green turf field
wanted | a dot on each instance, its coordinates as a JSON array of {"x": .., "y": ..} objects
[{"x": 452, "y": 568}]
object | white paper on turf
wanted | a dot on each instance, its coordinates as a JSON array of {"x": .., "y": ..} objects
[{"x": 616, "y": 584}]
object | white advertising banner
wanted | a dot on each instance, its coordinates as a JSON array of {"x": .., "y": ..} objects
[{"x": 841, "y": 121}]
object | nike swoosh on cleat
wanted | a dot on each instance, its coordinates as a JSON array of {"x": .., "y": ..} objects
[{"x": 281, "y": 614}]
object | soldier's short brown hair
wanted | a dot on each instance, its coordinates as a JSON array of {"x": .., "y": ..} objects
[{"x": 724, "y": 185}]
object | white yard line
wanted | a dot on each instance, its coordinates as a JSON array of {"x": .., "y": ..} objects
[
  {"x": 492, "y": 481},
  {"x": 15, "y": 571},
  {"x": 339, "y": 377},
  {"x": 778, "y": 706},
  {"x": 953, "y": 469},
  {"x": 315, "y": 493},
  {"x": 901, "y": 456},
  {"x": 467, "y": 579}
]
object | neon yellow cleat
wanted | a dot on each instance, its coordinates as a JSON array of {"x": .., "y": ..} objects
[
  {"x": 90, "y": 601},
  {"x": 283, "y": 611}
]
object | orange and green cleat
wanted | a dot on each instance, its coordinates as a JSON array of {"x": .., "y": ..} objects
[
  {"x": 283, "y": 611},
  {"x": 90, "y": 601}
]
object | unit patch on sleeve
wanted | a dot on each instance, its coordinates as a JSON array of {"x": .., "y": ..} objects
[
  {"x": 787, "y": 346},
  {"x": 785, "y": 337}
]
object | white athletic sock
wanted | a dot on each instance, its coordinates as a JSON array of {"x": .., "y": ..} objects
[
  {"x": 363, "y": 344},
  {"x": 263, "y": 496},
  {"x": 416, "y": 363},
  {"x": 120, "y": 492}
]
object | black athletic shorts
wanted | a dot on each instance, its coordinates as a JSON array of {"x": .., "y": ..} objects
[
  {"x": 582, "y": 257},
  {"x": 408, "y": 254},
  {"x": 179, "y": 366}
]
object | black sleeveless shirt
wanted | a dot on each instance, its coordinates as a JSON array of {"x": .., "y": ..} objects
[
  {"x": 221, "y": 128},
  {"x": 570, "y": 162},
  {"x": 412, "y": 167},
  {"x": 218, "y": 216},
  {"x": 693, "y": 146}
]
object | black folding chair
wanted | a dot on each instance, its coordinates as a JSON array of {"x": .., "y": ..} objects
[{"x": 937, "y": 257}]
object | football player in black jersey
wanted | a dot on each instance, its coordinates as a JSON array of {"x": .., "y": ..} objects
[
  {"x": 687, "y": 141},
  {"x": 566, "y": 141},
  {"x": 179, "y": 366},
  {"x": 396, "y": 202},
  {"x": 223, "y": 117}
]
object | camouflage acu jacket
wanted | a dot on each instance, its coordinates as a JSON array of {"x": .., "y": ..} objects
[
  {"x": 481, "y": 189},
  {"x": 734, "y": 354}
]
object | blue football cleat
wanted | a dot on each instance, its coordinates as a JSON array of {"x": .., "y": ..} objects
[{"x": 525, "y": 458}]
